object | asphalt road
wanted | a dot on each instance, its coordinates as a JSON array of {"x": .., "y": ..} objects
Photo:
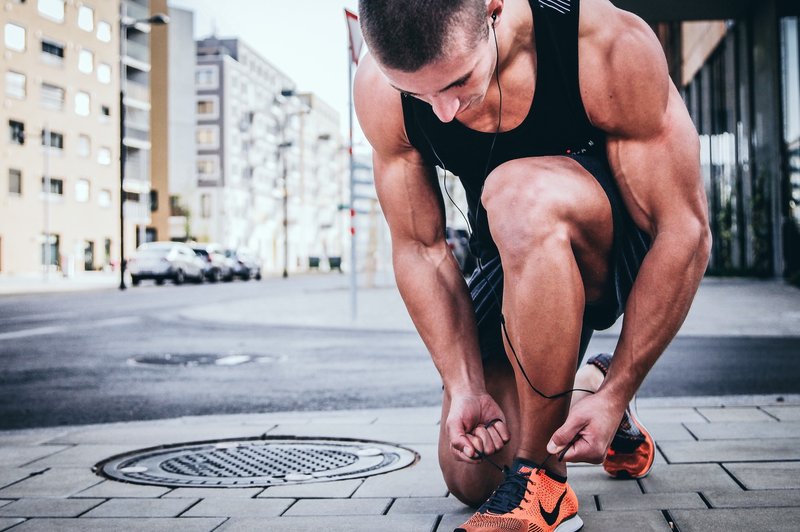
[{"x": 107, "y": 356}]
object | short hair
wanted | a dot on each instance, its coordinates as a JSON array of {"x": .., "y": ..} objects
[{"x": 407, "y": 35}]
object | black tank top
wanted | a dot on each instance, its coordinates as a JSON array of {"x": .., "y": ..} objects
[{"x": 556, "y": 123}]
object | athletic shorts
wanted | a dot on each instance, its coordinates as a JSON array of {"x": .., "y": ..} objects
[{"x": 630, "y": 245}]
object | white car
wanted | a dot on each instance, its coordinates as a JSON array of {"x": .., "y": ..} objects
[{"x": 165, "y": 260}]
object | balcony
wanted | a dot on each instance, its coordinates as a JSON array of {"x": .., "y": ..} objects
[
  {"x": 137, "y": 51},
  {"x": 136, "y": 11},
  {"x": 137, "y": 91},
  {"x": 133, "y": 132}
]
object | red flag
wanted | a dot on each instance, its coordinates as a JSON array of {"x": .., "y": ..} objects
[{"x": 356, "y": 39}]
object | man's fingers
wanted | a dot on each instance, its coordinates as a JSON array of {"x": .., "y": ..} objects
[
  {"x": 463, "y": 449},
  {"x": 565, "y": 435},
  {"x": 499, "y": 427},
  {"x": 583, "y": 451},
  {"x": 487, "y": 443}
]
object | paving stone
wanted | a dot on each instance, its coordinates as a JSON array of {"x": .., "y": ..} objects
[
  {"x": 641, "y": 521},
  {"x": 344, "y": 420},
  {"x": 745, "y": 430},
  {"x": 19, "y": 455},
  {"x": 338, "y": 507},
  {"x": 428, "y": 505},
  {"x": 4, "y": 503},
  {"x": 450, "y": 521},
  {"x": 49, "y": 507},
  {"x": 784, "y": 413},
  {"x": 586, "y": 503},
  {"x": 653, "y": 501},
  {"x": 735, "y": 413},
  {"x": 6, "y": 523},
  {"x": 594, "y": 481},
  {"x": 755, "y": 499},
  {"x": 340, "y": 489},
  {"x": 10, "y": 475},
  {"x": 239, "y": 508},
  {"x": 741, "y": 519},
  {"x": 82, "y": 455},
  {"x": 142, "y": 508},
  {"x": 423, "y": 479},
  {"x": 367, "y": 523},
  {"x": 688, "y": 478},
  {"x": 399, "y": 434},
  {"x": 214, "y": 493},
  {"x": 775, "y": 475},
  {"x": 30, "y": 436},
  {"x": 669, "y": 415},
  {"x": 110, "y": 489},
  {"x": 150, "y": 435},
  {"x": 142, "y": 524},
  {"x": 731, "y": 450},
  {"x": 59, "y": 482},
  {"x": 669, "y": 432}
]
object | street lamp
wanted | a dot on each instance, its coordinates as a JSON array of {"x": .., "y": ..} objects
[{"x": 126, "y": 22}]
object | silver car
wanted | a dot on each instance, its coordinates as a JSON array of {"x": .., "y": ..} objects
[{"x": 165, "y": 260}]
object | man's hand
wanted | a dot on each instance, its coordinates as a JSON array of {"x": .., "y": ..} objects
[
  {"x": 475, "y": 423},
  {"x": 588, "y": 430}
]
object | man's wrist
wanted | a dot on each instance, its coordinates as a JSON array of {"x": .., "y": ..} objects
[{"x": 464, "y": 388}]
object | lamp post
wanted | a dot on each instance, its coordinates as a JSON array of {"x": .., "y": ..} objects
[{"x": 126, "y": 22}]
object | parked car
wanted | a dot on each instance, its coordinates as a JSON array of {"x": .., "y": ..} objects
[
  {"x": 165, "y": 260},
  {"x": 216, "y": 266},
  {"x": 458, "y": 241},
  {"x": 246, "y": 266}
]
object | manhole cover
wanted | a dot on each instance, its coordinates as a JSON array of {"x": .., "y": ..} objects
[
  {"x": 194, "y": 359},
  {"x": 256, "y": 462}
]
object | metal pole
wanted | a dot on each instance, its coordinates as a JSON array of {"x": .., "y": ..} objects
[
  {"x": 285, "y": 206},
  {"x": 123, "y": 35},
  {"x": 46, "y": 146},
  {"x": 353, "y": 264}
]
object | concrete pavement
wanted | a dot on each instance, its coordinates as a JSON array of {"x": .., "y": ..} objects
[{"x": 724, "y": 463}]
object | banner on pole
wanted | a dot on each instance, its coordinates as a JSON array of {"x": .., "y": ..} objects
[{"x": 356, "y": 38}]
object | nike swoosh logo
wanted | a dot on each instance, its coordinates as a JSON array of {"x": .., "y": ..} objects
[{"x": 551, "y": 517}]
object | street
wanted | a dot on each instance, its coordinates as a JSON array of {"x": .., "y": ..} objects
[{"x": 105, "y": 356}]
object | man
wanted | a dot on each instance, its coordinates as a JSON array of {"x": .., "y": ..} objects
[{"x": 581, "y": 167}]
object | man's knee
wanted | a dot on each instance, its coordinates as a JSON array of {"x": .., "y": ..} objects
[{"x": 472, "y": 490}]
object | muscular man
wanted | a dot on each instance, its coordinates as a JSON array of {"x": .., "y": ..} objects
[{"x": 581, "y": 168}]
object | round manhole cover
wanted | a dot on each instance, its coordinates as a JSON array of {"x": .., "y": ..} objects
[
  {"x": 198, "y": 359},
  {"x": 256, "y": 462}
]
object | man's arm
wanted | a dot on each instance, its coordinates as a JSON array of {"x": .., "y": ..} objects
[
  {"x": 653, "y": 150},
  {"x": 427, "y": 274}
]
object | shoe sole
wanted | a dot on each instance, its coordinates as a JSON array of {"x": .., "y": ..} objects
[
  {"x": 625, "y": 474},
  {"x": 573, "y": 524}
]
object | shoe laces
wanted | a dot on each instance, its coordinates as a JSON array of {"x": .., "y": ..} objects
[{"x": 510, "y": 493}]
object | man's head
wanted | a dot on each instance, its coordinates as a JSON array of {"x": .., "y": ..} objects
[
  {"x": 407, "y": 35},
  {"x": 438, "y": 51}
]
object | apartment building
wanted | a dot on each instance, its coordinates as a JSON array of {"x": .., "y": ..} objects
[{"x": 59, "y": 186}]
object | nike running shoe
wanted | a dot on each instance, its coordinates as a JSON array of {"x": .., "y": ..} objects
[
  {"x": 632, "y": 450},
  {"x": 530, "y": 499}
]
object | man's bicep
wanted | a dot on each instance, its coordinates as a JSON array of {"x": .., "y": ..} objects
[{"x": 410, "y": 198}]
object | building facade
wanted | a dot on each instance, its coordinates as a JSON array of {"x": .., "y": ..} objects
[{"x": 59, "y": 183}]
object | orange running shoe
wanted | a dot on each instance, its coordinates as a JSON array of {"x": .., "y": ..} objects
[
  {"x": 632, "y": 450},
  {"x": 530, "y": 499}
]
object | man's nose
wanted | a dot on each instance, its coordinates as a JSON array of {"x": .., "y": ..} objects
[{"x": 445, "y": 108}]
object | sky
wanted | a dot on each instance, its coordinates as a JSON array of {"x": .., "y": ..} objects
[{"x": 305, "y": 39}]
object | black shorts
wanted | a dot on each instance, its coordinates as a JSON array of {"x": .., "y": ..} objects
[{"x": 630, "y": 245}]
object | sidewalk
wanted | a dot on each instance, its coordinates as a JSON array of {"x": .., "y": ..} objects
[
  {"x": 729, "y": 463},
  {"x": 36, "y": 283}
]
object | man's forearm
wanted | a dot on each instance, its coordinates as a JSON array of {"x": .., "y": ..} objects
[
  {"x": 436, "y": 296},
  {"x": 656, "y": 308}
]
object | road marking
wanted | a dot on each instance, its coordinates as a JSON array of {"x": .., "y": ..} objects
[{"x": 41, "y": 331}]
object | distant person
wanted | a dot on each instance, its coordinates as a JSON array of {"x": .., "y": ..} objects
[{"x": 581, "y": 168}]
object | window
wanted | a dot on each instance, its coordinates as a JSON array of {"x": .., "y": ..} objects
[
  {"x": 105, "y": 110},
  {"x": 86, "y": 61},
  {"x": 82, "y": 187},
  {"x": 16, "y": 132},
  {"x": 153, "y": 200},
  {"x": 52, "y": 96},
  {"x": 206, "y": 77},
  {"x": 86, "y": 18},
  {"x": 205, "y": 205},
  {"x": 104, "y": 198},
  {"x": 15, "y": 37},
  {"x": 14, "y": 182},
  {"x": 84, "y": 146},
  {"x": 52, "y": 9},
  {"x": 56, "y": 186},
  {"x": 50, "y": 249},
  {"x": 207, "y": 136},
  {"x": 104, "y": 156},
  {"x": 52, "y": 52},
  {"x": 104, "y": 73},
  {"x": 15, "y": 85},
  {"x": 53, "y": 139},
  {"x": 206, "y": 107},
  {"x": 208, "y": 167},
  {"x": 82, "y": 103},
  {"x": 104, "y": 31}
]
